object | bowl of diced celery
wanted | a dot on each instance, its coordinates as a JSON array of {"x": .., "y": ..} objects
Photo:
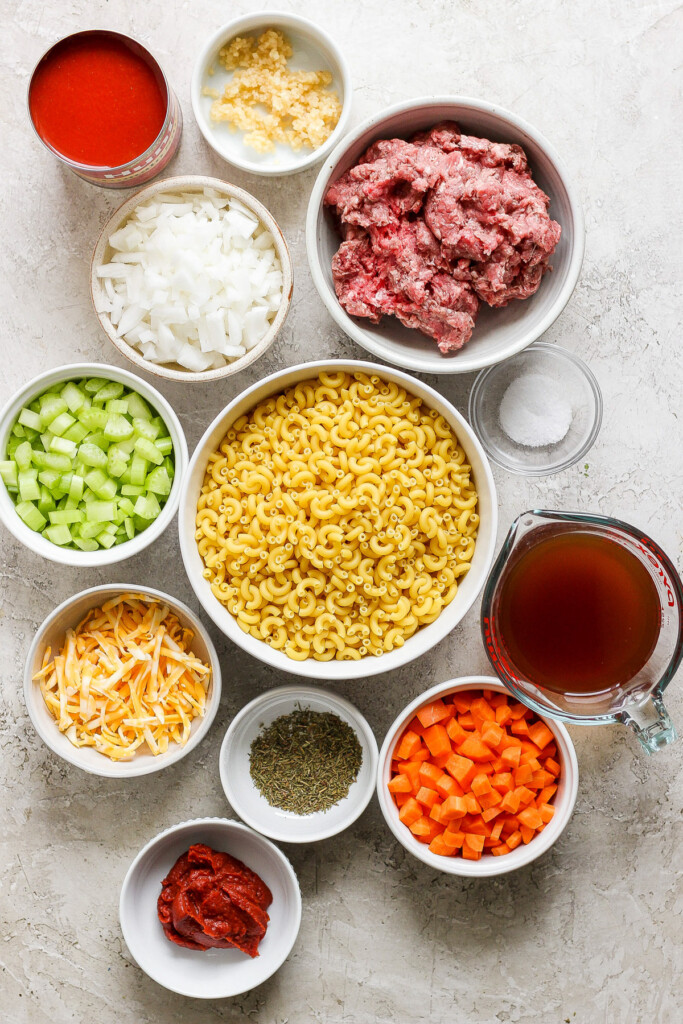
[{"x": 91, "y": 463}]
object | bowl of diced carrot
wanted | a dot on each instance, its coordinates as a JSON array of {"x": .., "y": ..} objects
[{"x": 474, "y": 783}]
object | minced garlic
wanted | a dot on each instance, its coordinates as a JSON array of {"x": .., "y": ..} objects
[{"x": 300, "y": 110}]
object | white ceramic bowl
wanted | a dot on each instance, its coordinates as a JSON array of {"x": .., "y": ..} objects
[
  {"x": 212, "y": 973},
  {"x": 424, "y": 638},
  {"x": 102, "y": 254},
  {"x": 51, "y": 633},
  {"x": 314, "y": 50},
  {"x": 245, "y": 798},
  {"x": 69, "y": 556},
  {"x": 498, "y": 333},
  {"x": 488, "y": 865}
]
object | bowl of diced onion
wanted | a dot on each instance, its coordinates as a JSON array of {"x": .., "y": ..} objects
[
  {"x": 145, "y": 705},
  {"x": 91, "y": 464},
  {"x": 191, "y": 279}
]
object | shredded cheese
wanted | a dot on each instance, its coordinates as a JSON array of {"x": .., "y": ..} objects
[{"x": 125, "y": 677}]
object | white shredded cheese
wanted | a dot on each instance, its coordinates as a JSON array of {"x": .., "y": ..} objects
[{"x": 194, "y": 278}]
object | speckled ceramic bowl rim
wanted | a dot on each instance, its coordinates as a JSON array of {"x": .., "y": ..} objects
[
  {"x": 104, "y": 556},
  {"x": 462, "y": 363},
  {"x": 489, "y": 865},
  {"x": 110, "y": 769},
  {"x": 192, "y": 183},
  {"x": 299, "y": 694},
  {"x": 252, "y": 23},
  {"x": 477, "y": 395}
]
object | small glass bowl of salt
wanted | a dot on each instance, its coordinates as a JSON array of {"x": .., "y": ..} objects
[{"x": 538, "y": 412}]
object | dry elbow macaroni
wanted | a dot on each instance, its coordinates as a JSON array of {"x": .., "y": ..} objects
[{"x": 337, "y": 518}]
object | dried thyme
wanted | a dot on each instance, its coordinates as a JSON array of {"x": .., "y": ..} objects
[{"x": 305, "y": 761}]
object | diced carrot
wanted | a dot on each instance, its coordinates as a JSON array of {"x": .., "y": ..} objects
[
  {"x": 462, "y": 701},
  {"x": 503, "y": 714},
  {"x": 427, "y": 797},
  {"x": 467, "y": 722},
  {"x": 474, "y": 842},
  {"x": 523, "y": 774},
  {"x": 441, "y": 760},
  {"x": 527, "y": 833},
  {"x": 487, "y": 694},
  {"x": 421, "y": 827},
  {"x": 429, "y": 774},
  {"x": 473, "y": 806},
  {"x": 526, "y": 796},
  {"x": 447, "y": 786},
  {"x": 401, "y": 798},
  {"x": 519, "y": 727},
  {"x": 455, "y": 731},
  {"x": 499, "y": 851},
  {"x": 510, "y": 756},
  {"x": 453, "y": 840},
  {"x": 551, "y": 766},
  {"x": 432, "y": 713},
  {"x": 490, "y": 813},
  {"x": 491, "y": 799},
  {"x": 497, "y": 700},
  {"x": 517, "y": 711},
  {"x": 453, "y": 807},
  {"x": 546, "y": 795},
  {"x": 475, "y": 749},
  {"x": 438, "y": 845},
  {"x": 540, "y": 734},
  {"x": 481, "y": 707},
  {"x": 497, "y": 765},
  {"x": 541, "y": 779},
  {"x": 469, "y": 854},
  {"x": 492, "y": 734},
  {"x": 496, "y": 830},
  {"x": 550, "y": 750},
  {"x": 514, "y": 840},
  {"x": 481, "y": 784},
  {"x": 546, "y": 811},
  {"x": 416, "y": 726},
  {"x": 421, "y": 755},
  {"x": 530, "y": 817},
  {"x": 437, "y": 740},
  {"x": 410, "y": 811},
  {"x": 400, "y": 784},
  {"x": 510, "y": 802},
  {"x": 409, "y": 744},
  {"x": 502, "y": 781},
  {"x": 461, "y": 768},
  {"x": 435, "y": 812}
]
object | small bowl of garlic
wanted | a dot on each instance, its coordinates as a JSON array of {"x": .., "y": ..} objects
[{"x": 191, "y": 279}]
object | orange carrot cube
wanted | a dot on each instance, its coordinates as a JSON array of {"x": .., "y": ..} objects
[
  {"x": 400, "y": 784},
  {"x": 437, "y": 740},
  {"x": 409, "y": 743},
  {"x": 410, "y": 811}
]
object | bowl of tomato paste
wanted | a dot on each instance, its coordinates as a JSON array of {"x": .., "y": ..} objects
[{"x": 100, "y": 102}]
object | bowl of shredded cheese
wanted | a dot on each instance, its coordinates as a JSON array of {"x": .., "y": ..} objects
[
  {"x": 122, "y": 681},
  {"x": 271, "y": 93},
  {"x": 338, "y": 519}
]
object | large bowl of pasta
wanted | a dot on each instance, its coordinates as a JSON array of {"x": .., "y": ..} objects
[{"x": 338, "y": 519}]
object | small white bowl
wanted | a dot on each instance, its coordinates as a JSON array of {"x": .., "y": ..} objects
[
  {"x": 69, "y": 556},
  {"x": 102, "y": 254},
  {"x": 314, "y": 50},
  {"x": 246, "y": 799},
  {"x": 51, "y": 633},
  {"x": 421, "y": 641},
  {"x": 488, "y": 865},
  {"x": 498, "y": 333},
  {"x": 212, "y": 973}
]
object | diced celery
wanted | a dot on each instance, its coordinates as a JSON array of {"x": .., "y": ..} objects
[
  {"x": 99, "y": 439},
  {"x": 158, "y": 481},
  {"x": 94, "y": 384},
  {"x": 147, "y": 507},
  {"x": 89, "y": 495},
  {"x": 89, "y": 530},
  {"x": 18, "y": 430},
  {"x": 22, "y": 455},
  {"x": 100, "y": 511},
  {"x": 49, "y": 478},
  {"x": 51, "y": 406},
  {"x": 30, "y": 419},
  {"x": 148, "y": 450},
  {"x": 76, "y": 488},
  {"x": 106, "y": 540},
  {"x": 46, "y": 440},
  {"x": 86, "y": 543},
  {"x": 138, "y": 469},
  {"x": 118, "y": 428},
  {"x": 117, "y": 405},
  {"x": 95, "y": 478},
  {"x": 29, "y": 488},
  {"x": 63, "y": 485},
  {"x": 64, "y": 447},
  {"x": 101, "y": 484},
  {"x": 28, "y": 512},
  {"x": 93, "y": 418},
  {"x": 126, "y": 506},
  {"x": 73, "y": 396},
  {"x": 61, "y": 423},
  {"x": 130, "y": 528},
  {"x": 58, "y": 534},
  {"x": 170, "y": 468},
  {"x": 76, "y": 433},
  {"x": 146, "y": 428},
  {"x": 51, "y": 460},
  {"x": 63, "y": 517},
  {"x": 8, "y": 473},
  {"x": 91, "y": 455},
  {"x": 165, "y": 445},
  {"x": 137, "y": 407},
  {"x": 132, "y": 491},
  {"x": 117, "y": 461},
  {"x": 111, "y": 389},
  {"x": 46, "y": 502}
]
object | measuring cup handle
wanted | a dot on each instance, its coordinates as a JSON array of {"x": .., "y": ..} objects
[{"x": 651, "y": 724}]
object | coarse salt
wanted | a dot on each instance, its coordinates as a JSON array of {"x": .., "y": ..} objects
[{"x": 534, "y": 411}]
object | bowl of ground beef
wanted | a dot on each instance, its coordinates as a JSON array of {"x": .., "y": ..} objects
[{"x": 443, "y": 235}]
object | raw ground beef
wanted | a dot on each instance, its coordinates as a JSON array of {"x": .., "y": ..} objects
[{"x": 432, "y": 226}]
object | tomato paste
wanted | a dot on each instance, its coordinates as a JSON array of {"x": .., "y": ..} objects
[
  {"x": 98, "y": 99},
  {"x": 211, "y": 899}
]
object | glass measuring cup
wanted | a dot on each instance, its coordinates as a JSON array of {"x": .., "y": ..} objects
[{"x": 636, "y": 702}]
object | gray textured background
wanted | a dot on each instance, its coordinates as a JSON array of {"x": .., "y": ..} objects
[{"x": 590, "y": 933}]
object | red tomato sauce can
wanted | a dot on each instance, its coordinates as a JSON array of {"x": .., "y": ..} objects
[{"x": 101, "y": 103}]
